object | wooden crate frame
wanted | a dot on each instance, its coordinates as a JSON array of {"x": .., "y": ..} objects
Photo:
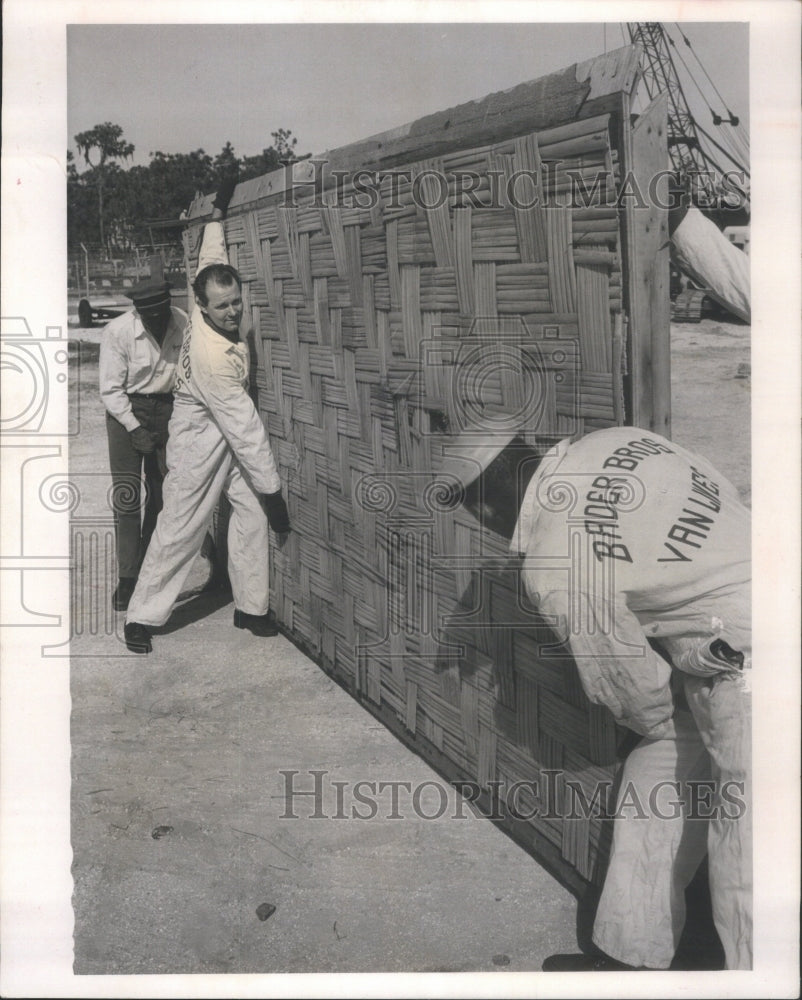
[{"x": 408, "y": 603}]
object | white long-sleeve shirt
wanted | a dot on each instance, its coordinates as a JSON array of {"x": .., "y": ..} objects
[
  {"x": 626, "y": 536},
  {"x": 131, "y": 360},
  {"x": 212, "y": 381}
]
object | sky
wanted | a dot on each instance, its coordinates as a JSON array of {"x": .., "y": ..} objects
[{"x": 180, "y": 87}]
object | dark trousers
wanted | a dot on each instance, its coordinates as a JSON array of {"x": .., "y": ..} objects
[{"x": 134, "y": 521}]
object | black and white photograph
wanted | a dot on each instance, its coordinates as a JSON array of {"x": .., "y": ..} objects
[{"x": 395, "y": 402}]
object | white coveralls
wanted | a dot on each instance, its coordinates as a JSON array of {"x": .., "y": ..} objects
[
  {"x": 703, "y": 252},
  {"x": 217, "y": 443},
  {"x": 628, "y": 537}
]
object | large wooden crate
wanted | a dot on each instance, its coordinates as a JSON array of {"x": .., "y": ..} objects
[{"x": 514, "y": 261}]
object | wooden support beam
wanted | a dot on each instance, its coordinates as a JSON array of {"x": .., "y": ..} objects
[{"x": 650, "y": 308}]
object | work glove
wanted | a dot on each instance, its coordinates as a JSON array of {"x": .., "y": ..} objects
[
  {"x": 277, "y": 514},
  {"x": 142, "y": 440},
  {"x": 225, "y": 193}
]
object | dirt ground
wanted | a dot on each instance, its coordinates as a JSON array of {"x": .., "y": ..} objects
[
  {"x": 177, "y": 792},
  {"x": 710, "y": 396}
]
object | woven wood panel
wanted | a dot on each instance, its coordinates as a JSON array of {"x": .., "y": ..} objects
[{"x": 378, "y": 330}]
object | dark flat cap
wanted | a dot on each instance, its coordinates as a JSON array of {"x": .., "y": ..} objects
[{"x": 149, "y": 294}]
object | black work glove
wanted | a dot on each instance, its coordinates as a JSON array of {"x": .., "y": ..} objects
[
  {"x": 277, "y": 514},
  {"x": 142, "y": 440},
  {"x": 225, "y": 193}
]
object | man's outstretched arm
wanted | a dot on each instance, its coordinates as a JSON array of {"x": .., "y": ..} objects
[{"x": 213, "y": 246}]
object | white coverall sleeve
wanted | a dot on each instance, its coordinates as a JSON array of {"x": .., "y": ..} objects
[
  {"x": 213, "y": 246},
  {"x": 113, "y": 370},
  {"x": 617, "y": 666},
  {"x": 236, "y": 416}
]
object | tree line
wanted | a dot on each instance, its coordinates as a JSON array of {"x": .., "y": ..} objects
[{"x": 109, "y": 204}]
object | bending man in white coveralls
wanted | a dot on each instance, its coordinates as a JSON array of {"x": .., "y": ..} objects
[
  {"x": 217, "y": 443},
  {"x": 664, "y": 554}
]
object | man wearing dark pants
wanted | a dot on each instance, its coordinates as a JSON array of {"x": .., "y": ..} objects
[{"x": 138, "y": 356}]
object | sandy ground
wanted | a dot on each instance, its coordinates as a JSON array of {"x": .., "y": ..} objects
[
  {"x": 710, "y": 396},
  {"x": 177, "y": 797}
]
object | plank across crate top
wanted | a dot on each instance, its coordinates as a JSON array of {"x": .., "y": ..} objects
[
  {"x": 391, "y": 289},
  {"x": 496, "y": 272}
]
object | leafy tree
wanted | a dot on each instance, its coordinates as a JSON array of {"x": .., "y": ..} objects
[
  {"x": 170, "y": 181},
  {"x": 226, "y": 163},
  {"x": 271, "y": 158},
  {"x": 107, "y": 141},
  {"x": 284, "y": 142},
  {"x": 81, "y": 206},
  {"x": 128, "y": 198}
]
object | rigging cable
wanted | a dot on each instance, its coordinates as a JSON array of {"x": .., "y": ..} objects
[
  {"x": 724, "y": 136},
  {"x": 737, "y": 122}
]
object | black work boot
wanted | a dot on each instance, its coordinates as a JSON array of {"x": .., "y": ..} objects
[
  {"x": 261, "y": 625},
  {"x": 137, "y": 637},
  {"x": 124, "y": 592}
]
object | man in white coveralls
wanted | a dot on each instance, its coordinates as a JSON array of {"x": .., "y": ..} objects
[
  {"x": 665, "y": 558},
  {"x": 217, "y": 443}
]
